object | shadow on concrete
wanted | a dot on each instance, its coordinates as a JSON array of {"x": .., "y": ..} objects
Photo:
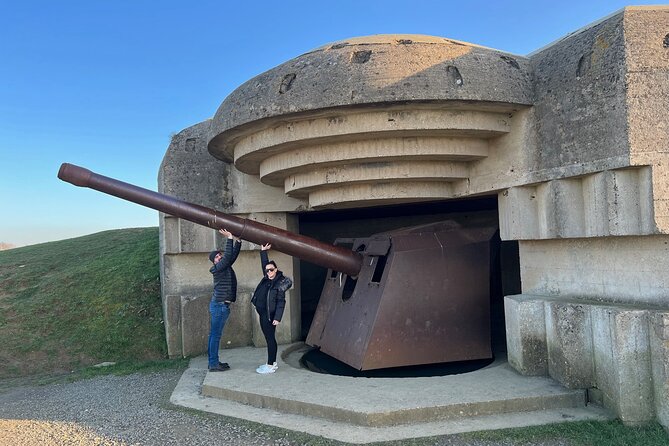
[{"x": 319, "y": 362}]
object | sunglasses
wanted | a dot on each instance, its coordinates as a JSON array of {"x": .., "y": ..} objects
[{"x": 269, "y": 270}]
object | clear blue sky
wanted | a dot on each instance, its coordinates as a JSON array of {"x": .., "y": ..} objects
[{"x": 103, "y": 84}]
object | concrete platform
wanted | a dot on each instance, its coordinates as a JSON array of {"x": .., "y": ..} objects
[{"x": 362, "y": 410}]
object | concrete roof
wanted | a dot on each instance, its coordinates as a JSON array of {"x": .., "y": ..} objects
[{"x": 373, "y": 70}]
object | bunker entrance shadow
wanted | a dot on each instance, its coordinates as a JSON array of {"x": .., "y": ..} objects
[{"x": 317, "y": 361}]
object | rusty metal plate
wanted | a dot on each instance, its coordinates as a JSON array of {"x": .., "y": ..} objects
[{"x": 430, "y": 303}]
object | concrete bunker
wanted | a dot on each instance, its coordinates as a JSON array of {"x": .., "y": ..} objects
[{"x": 568, "y": 139}]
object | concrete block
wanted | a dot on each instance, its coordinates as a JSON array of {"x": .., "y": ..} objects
[
  {"x": 612, "y": 202},
  {"x": 169, "y": 231},
  {"x": 560, "y": 208},
  {"x": 187, "y": 274},
  {"x": 237, "y": 331},
  {"x": 595, "y": 212},
  {"x": 526, "y": 334},
  {"x": 518, "y": 213},
  {"x": 622, "y": 362},
  {"x": 580, "y": 100},
  {"x": 659, "y": 344},
  {"x": 172, "y": 321},
  {"x": 612, "y": 269},
  {"x": 195, "y": 324},
  {"x": 648, "y": 194},
  {"x": 623, "y": 200},
  {"x": 197, "y": 238},
  {"x": 569, "y": 207},
  {"x": 569, "y": 341}
]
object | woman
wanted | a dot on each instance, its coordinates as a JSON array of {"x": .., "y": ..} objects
[{"x": 269, "y": 299}]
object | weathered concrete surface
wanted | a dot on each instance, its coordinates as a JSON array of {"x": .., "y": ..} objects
[
  {"x": 611, "y": 269},
  {"x": 330, "y": 406},
  {"x": 622, "y": 362},
  {"x": 387, "y": 155},
  {"x": 601, "y": 100},
  {"x": 617, "y": 351},
  {"x": 570, "y": 344},
  {"x": 376, "y": 69},
  {"x": 647, "y": 99},
  {"x": 186, "y": 175},
  {"x": 580, "y": 106},
  {"x": 659, "y": 344},
  {"x": 172, "y": 321},
  {"x": 296, "y": 390},
  {"x": 613, "y": 202},
  {"x": 526, "y": 347},
  {"x": 192, "y": 310},
  {"x": 298, "y": 131}
]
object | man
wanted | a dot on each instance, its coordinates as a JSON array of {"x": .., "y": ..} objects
[{"x": 225, "y": 292}]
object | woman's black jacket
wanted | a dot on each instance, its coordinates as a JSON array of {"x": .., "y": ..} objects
[{"x": 270, "y": 295}]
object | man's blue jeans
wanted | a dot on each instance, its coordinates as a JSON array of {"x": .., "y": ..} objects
[{"x": 219, "y": 314}]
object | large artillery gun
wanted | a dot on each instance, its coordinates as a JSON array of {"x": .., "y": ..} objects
[{"x": 412, "y": 296}]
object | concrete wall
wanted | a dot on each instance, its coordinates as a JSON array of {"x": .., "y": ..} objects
[
  {"x": 647, "y": 81},
  {"x": 612, "y": 269},
  {"x": 580, "y": 102},
  {"x": 616, "y": 351},
  {"x": 593, "y": 265}
]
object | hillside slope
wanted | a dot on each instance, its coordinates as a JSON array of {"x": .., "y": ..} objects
[{"x": 81, "y": 301}]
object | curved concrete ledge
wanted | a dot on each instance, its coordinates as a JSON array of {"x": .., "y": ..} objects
[
  {"x": 375, "y": 147},
  {"x": 256, "y": 145},
  {"x": 275, "y": 169},
  {"x": 299, "y": 184},
  {"x": 380, "y": 193}
]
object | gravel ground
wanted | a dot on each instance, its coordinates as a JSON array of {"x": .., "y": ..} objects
[
  {"x": 134, "y": 410},
  {"x": 113, "y": 410}
]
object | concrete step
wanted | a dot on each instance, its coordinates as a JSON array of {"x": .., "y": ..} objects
[{"x": 359, "y": 410}]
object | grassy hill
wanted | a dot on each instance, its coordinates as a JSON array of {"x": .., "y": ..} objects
[{"x": 73, "y": 303}]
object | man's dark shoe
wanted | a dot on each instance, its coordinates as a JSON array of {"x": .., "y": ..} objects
[
  {"x": 219, "y": 368},
  {"x": 224, "y": 365}
]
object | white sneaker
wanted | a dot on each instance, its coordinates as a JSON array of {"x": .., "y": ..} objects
[{"x": 267, "y": 369}]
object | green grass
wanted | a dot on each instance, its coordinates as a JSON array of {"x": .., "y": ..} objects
[
  {"x": 578, "y": 433},
  {"x": 581, "y": 433},
  {"x": 73, "y": 303}
]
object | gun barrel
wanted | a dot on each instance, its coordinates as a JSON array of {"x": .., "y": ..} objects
[{"x": 305, "y": 248}]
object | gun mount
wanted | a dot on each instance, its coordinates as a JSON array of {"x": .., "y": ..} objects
[
  {"x": 422, "y": 297},
  {"x": 413, "y": 296}
]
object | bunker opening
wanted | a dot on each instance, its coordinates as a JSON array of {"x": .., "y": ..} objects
[{"x": 409, "y": 303}]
